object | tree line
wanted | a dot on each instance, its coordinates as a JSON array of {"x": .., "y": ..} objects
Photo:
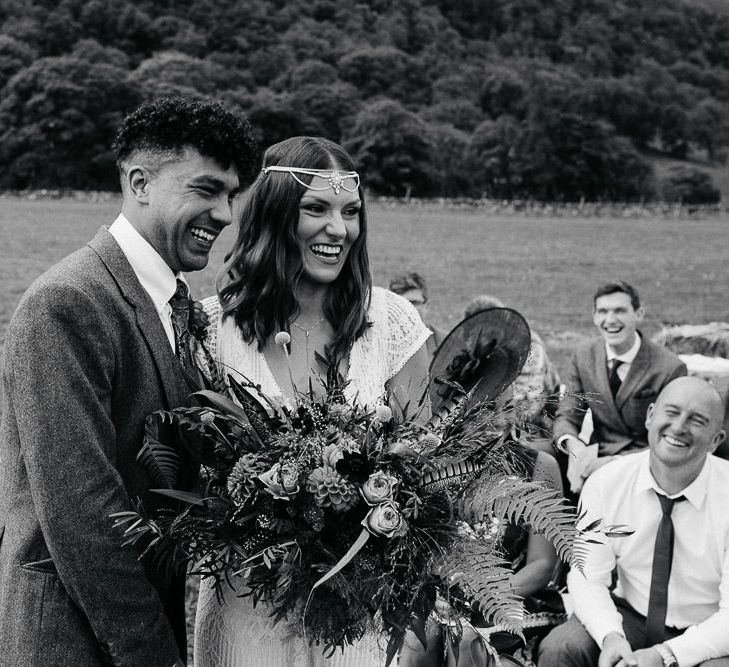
[{"x": 550, "y": 100}]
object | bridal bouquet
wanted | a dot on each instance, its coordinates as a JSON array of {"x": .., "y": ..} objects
[{"x": 344, "y": 519}]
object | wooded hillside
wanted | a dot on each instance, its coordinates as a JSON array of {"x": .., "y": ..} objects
[{"x": 549, "y": 99}]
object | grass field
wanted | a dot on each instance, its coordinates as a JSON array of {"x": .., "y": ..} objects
[{"x": 546, "y": 268}]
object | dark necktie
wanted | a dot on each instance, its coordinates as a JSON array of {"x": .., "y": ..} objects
[
  {"x": 655, "y": 621},
  {"x": 180, "y": 304},
  {"x": 614, "y": 379}
]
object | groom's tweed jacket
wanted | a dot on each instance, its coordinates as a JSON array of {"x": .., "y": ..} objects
[{"x": 86, "y": 359}]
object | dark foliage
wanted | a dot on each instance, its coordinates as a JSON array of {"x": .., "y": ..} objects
[
  {"x": 508, "y": 98},
  {"x": 689, "y": 185}
]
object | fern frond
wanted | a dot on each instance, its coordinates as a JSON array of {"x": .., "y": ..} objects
[
  {"x": 161, "y": 461},
  {"x": 523, "y": 502},
  {"x": 485, "y": 578}
]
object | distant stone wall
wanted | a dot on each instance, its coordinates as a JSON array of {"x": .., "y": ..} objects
[
  {"x": 566, "y": 209},
  {"x": 491, "y": 206}
]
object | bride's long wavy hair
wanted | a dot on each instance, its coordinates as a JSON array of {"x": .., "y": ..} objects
[{"x": 257, "y": 285}]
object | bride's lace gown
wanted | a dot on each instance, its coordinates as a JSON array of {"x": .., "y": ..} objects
[{"x": 234, "y": 634}]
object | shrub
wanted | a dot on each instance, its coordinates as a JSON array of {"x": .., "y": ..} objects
[{"x": 689, "y": 185}]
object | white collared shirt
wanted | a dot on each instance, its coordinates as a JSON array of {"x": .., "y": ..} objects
[
  {"x": 627, "y": 358},
  {"x": 151, "y": 270},
  {"x": 624, "y": 492}
]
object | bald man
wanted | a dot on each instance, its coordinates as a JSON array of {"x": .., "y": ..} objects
[{"x": 671, "y": 603}]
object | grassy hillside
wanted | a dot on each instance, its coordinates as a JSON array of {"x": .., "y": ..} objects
[{"x": 546, "y": 268}]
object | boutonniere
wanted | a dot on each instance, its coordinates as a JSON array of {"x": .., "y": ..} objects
[{"x": 199, "y": 321}]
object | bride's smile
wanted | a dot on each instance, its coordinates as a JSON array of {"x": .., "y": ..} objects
[{"x": 328, "y": 226}]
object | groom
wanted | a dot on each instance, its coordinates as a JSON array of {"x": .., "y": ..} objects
[{"x": 92, "y": 350}]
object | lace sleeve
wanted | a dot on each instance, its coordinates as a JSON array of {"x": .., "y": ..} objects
[{"x": 406, "y": 331}]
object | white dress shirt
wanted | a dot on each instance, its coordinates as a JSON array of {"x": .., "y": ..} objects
[
  {"x": 627, "y": 358},
  {"x": 624, "y": 492},
  {"x": 151, "y": 270}
]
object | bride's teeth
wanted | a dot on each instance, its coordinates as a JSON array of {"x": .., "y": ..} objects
[{"x": 326, "y": 249}]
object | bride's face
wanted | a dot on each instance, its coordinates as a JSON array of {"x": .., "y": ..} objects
[{"x": 328, "y": 226}]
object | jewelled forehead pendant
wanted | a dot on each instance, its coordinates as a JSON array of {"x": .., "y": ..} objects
[{"x": 335, "y": 179}]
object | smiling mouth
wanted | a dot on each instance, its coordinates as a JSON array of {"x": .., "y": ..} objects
[
  {"x": 674, "y": 442},
  {"x": 203, "y": 236},
  {"x": 326, "y": 251}
]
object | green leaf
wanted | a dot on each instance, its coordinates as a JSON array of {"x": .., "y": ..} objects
[
  {"x": 393, "y": 646},
  {"x": 222, "y": 403},
  {"x": 486, "y": 580},
  {"x": 417, "y": 625},
  {"x": 161, "y": 461},
  {"x": 182, "y": 496},
  {"x": 594, "y": 525},
  {"x": 523, "y": 502}
]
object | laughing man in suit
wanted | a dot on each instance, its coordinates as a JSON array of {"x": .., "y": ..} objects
[
  {"x": 92, "y": 349},
  {"x": 622, "y": 373}
]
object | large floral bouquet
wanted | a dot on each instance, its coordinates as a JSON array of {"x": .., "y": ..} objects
[{"x": 341, "y": 519}]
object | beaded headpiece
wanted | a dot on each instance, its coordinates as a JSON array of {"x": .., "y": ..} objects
[{"x": 335, "y": 179}]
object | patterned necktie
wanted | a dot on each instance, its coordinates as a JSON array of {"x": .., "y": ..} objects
[
  {"x": 655, "y": 621},
  {"x": 180, "y": 304},
  {"x": 614, "y": 379}
]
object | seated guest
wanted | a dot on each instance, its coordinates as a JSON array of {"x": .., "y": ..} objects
[
  {"x": 536, "y": 387},
  {"x": 533, "y": 562},
  {"x": 670, "y": 605},
  {"x": 617, "y": 376},
  {"x": 411, "y": 286}
]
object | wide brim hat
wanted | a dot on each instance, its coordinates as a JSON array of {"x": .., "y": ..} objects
[{"x": 483, "y": 354}]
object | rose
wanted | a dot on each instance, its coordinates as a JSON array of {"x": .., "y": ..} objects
[
  {"x": 331, "y": 454},
  {"x": 379, "y": 487},
  {"x": 385, "y": 520},
  {"x": 281, "y": 481}
]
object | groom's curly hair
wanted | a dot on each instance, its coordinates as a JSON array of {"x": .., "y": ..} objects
[
  {"x": 257, "y": 285},
  {"x": 161, "y": 130}
]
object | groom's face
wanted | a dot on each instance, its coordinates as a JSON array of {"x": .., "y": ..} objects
[{"x": 189, "y": 200}]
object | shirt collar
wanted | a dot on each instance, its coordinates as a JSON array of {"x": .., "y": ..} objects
[
  {"x": 629, "y": 356},
  {"x": 695, "y": 492},
  {"x": 151, "y": 270}
]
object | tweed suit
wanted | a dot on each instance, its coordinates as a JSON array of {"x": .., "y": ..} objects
[
  {"x": 86, "y": 360},
  {"x": 618, "y": 421}
]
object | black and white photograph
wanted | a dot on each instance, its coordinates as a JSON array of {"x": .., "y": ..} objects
[{"x": 367, "y": 334}]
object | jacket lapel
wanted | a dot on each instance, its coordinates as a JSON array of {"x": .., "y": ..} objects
[
  {"x": 148, "y": 322},
  {"x": 601, "y": 374},
  {"x": 602, "y": 383},
  {"x": 636, "y": 372}
]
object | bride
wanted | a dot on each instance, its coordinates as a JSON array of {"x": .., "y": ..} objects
[{"x": 300, "y": 265}]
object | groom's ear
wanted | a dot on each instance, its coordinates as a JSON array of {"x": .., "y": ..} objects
[{"x": 138, "y": 178}]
